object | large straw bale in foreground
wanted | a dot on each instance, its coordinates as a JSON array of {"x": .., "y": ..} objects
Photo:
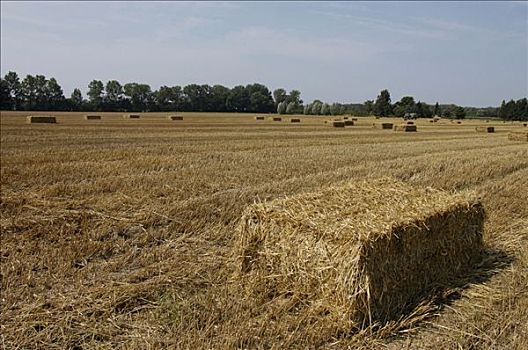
[
  {"x": 42, "y": 119},
  {"x": 360, "y": 252},
  {"x": 518, "y": 136}
]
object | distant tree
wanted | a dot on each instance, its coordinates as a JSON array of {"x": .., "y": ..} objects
[
  {"x": 218, "y": 99},
  {"x": 404, "y": 106},
  {"x": 114, "y": 96},
  {"x": 140, "y": 96},
  {"x": 238, "y": 99},
  {"x": 316, "y": 107},
  {"x": 13, "y": 88},
  {"x": 260, "y": 100},
  {"x": 307, "y": 109},
  {"x": 447, "y": 114},
  {"x": 279, "y": 95},
  {"x": 169, "y": 98},
  {"x": 5, "y": 96},
  {"x": 76, "y": 100},
  {"x": 335, "y": 109},
  {"x": 281, "y": 108},
  {"x": 54, "y": 95},
  {"x": 95, "y": 94},
  {"x": 437, "y": 111},
  {"x": 460, "y": 113},
  {"x": 369, "y": 106},
  {"x": 382, "y": 107},
  {"x": 291, "y": 108}
]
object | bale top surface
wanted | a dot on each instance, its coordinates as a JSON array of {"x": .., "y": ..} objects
[{"x": 357, "y": 211}]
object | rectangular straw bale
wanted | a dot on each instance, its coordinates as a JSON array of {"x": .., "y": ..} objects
[
  {"x": 259, "y": 118},
  {"x": 405, "y": 127},
  {"x": 349, "y": 122},
  {"x": 131, "y": 116},
  {"x": 360, "y": 252},
  {"x": 518, "y": 136},
  {"x": 92, "y": 117},
  {"x": 345, "y": 118},
  {"x": 41, "y": 119},
  {"x": 295, "y": 120},
  {"x": 338, "y": 124},
  {"x": 277, "y": 119},
  {"x": 382, "y": 125},
  {"x": 354, "y": 119},
  {"x": 409, "y": 122},
  {"x": 485, "y": 129},
  {"x": 175, "y": 117}
]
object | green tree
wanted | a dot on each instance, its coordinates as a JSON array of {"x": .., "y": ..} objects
[
  {"x": 76, "y": 100},
  {"x": 5, "y": 96},
  {"x": 316, "y": 107},
  {"x": 307, "y": 109},
  {"x": 95, "y": 94},
  {"x": 238, "y": 99},
  {"x": 140, "y": 96},
  {"x": 114, "y": 95},
  {"x": 460, "y": 113},
  {"x": 437, "y": 110},
  {"x": 13, "y": 88},
  {"x": 54, "y": 95},
  {"x": 279, "y": 95},
  {"x": 281, "y": 108},
  {"x": 260, "y": 100},
  {"x": 382, "y": 106}
]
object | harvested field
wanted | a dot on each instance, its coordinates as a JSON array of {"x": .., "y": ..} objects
[
  {"x": 485, "y": 129},
  {"x": 518, "y": 136},
  {"x": 118, "y": 235},
  {"x": 405, "y": 127},
  {"x": 41, "y": 119}
]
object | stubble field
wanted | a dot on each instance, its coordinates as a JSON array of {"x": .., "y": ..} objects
[{"x": 119, "y": 233}]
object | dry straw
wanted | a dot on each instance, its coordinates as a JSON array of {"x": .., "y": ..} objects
[
  {"x": 405, "y": 127},
  {"x": 175, "y": 117},
  {"x": 277, "y": 119},
  {"x": 518, "y": 136},
  {"x": 485, "y": 129},
  {"x": 131, "y": 116},
  {"x": 295, "y": 120},
  {"x": 338, "y": 124},
  {"x": 259, "y": 118},
  {"x": 349, "y": 122},
  {"x": 44, "y": 119},
  {"x": 361, "y": 253},
  {"x": 92, "y": 117}
]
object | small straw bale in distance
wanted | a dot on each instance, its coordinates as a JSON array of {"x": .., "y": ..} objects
[
  {"x": 525, "y": 124},
  {"x": 405, "y": 127},
  {"x": 349, "y": 122},
  {"x": 131, "y": 116},
  {"x": 258, "y": 117},
  {"x": 92, "y": 117},
  {"x": 410, "y": 122},
  {"x": 295, "y": 120},
  {"x": 485, "y": 129},
  {"x": 175, "y": 117},
  {"x": 43, "y": 119},
  {"x": 354, "y": 119},
  {"x": 361, "y": 253},
  {"x": 277, "y": 119},
  {"x": 338, "y": 124},
  {"x": 382, "y": 125},
  {"x": 518, "y": 136}
]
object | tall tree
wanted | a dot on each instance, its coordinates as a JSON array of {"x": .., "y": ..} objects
[
  {"x": 95, "y": 94},
  {"x": 238, "y": 99},
  {"x": 437, "y": 111},
  {"x": 114, "y": 95},
  {"x": 382, "y": 106},
  {"x": 54, "y": 95},
  {"x": 13, "y": 87},
  {"x": 140, "y": 96},
  {"x": 279, "y": 95},
  {"x": 5, "y": 96},
  {"x": 76, "y": 100}
]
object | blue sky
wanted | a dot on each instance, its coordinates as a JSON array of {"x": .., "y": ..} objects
[{"x": 469, "y": 53}]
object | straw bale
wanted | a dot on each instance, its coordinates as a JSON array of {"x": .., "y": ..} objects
[
  {"x": 92, "y": 117},
  {"x": 259, "y": 118},
  {"x": 354, "y": 119},
  {"x": 131, "y": 116},
  {"x": 410, "y": 122},
  {"x": 525, "y": 124},
  {"x": 382, "y": 125},
  {"x": 518, "y": 136},
  {"x": 43, "y": 119},
  {"x": 361, "y": 252},
  {"x": 485, "y": 129},
  {"x": 345, "y": 118},
  {"x": 405, "y": 127},
  {"x": 349, "y": 122},
  {"x": 175, "y": 117},
  {"x": 277, "y": 119},
  {"x": 338, "y": 124},
  {"x": 295, "y": 120}
]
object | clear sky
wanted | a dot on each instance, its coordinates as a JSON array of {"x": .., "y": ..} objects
[{"x": 468, "y": 53}]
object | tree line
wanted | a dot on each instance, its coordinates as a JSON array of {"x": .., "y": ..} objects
[{"x": 39, "y": 93}]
